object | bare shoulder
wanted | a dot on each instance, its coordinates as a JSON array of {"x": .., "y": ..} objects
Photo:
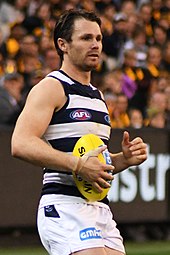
[
  {"x": 48, "y": 90},
  {"x": 43, "y": 99}
]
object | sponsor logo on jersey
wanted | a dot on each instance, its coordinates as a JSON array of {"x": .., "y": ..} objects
[
  {"x": 90, "y": 233},
  {"x": 107, "y": 118},
  {"x": 80, "y": 115}
]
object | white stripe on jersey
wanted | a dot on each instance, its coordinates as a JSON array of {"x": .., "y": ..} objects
[
  {"x": 65, "y": 78},
  {"x": 77, "y": 101},
  {"x": 61, "y": 76},
  {"x": 76, "y": 129},
  {"x": 57, "y": 177}
]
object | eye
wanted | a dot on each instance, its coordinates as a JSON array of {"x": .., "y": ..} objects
[
  {"x": 87, "y": 37},
  {"x": 99, "y": 38}
]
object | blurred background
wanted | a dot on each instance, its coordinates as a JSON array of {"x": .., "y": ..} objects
[{"x": 133, "y": 75}]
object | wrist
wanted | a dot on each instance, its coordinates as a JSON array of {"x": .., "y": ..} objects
[
  {"x": 119, "y": 161},
  {"x": 80, "y": 163},
  {"x": 125, "y": 160},
  {"x": 77, "y": 166}
]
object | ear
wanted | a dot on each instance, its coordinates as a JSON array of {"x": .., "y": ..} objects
[{"x": 62, "y": 44}]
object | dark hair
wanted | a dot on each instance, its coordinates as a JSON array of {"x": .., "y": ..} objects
[{"x": 65, "y": 25}]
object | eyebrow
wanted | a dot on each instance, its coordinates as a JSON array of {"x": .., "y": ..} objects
[{"x": 88, "y": 34}]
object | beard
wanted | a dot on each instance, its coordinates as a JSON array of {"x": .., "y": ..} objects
[
  {"x": 84, "y": 63},
  {"x": 89, "y": 66}
]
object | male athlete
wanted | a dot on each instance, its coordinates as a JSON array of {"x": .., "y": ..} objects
[{"x": 45, "y": 135}]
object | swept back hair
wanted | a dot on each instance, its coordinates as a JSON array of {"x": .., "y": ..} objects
[{"x": 65, "y": 25}]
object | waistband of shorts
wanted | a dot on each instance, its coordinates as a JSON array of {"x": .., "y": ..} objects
[{"x": 62, "y": 189}]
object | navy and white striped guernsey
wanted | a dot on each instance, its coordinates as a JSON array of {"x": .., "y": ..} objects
[{"x": 84, "y": 112}]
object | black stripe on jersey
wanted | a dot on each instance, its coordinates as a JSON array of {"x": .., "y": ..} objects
[
  {"x": 80, "y": 115},
  {"x": 56, "y": 188},
  {"x": 79, "y": 89},
  {"x": 47, "y": 170},
  {"x": 67, "y": 144}
]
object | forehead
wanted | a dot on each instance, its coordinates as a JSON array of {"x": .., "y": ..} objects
[
  {"x": 154, "y": 51},
  {"x": 83, "y": 26}
]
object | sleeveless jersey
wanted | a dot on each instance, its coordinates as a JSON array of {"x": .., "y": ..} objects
[{"x": 84, "y": 112}]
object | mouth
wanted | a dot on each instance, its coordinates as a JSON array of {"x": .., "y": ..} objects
[{"x": 93, "y": 55}]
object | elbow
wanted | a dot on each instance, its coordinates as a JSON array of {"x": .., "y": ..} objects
[
  {"x": 14, "y": 151},
  {"x": 16, "y": 148}
]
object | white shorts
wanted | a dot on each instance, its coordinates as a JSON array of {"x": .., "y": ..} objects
[{"x": 68, "y": 226}]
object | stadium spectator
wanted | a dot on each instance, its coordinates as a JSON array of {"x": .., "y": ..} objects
[
  {"x": 51, "y": 59},
  {"x": 88, "y": 5},
  {"x": 156, "y": 11},
  {"x": 113, "y": 44},
  {"x": 156, "y": 119},
  {"x": 11, "y": 101},
  {"x": 141, "y": 76},
  {"x": 119, "y": 117},
  {"x": 135, "y": 118},
  {"x": 160, "y": 84},
  {"x": 32, "y": 7},
  {"x": 154, "y": 61},
  {"x": 157, "y": 109},
  {"x": 128, "y": 7},
  {"x": 132, "y": 22},
  {"x": 44, "y": 44},
  {"x": 28, "y": 58},
  {"x": 11, "y": 46},
  {"x": 160, "y": 36},
  {"x": 112, "y": 82},
  {"x": 145, "y": 16},
  {"x": 118, "y": 82},
  {"x": 138, "y": 43},
  {"x": 28, "y": 46},
  {"x": 34, "y": 78},
  {"x": 11, "y": 12},
  {"x": 10, "y": 65},
  {"x": 166, "y": 58},
  {"x": 107, "y": 16},
  {"x": 110, "y": 99},
  {"x": 38, "y": 23},
  {"x": 158, "y": 100}
]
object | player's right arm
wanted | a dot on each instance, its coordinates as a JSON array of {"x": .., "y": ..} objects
[{"x": 27, "y": 142}]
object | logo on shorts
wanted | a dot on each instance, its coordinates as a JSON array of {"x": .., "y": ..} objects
[
  {"x": 90, "y": 233},
  {"x": 50, "y": 211},
  {"x": 80, "y": 115}
]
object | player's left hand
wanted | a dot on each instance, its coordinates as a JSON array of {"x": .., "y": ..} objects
[{"x": 135, "y": 151}]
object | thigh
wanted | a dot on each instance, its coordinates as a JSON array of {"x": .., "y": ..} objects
[
  {"x": 91, "y": 251},
  {"x": 100, "y": 251},
  {"x": 113, "y": 252}
]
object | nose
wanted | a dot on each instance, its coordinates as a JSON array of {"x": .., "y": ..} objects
[{"x": 95, "y": 44}]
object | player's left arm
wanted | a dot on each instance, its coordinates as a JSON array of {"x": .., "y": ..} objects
[{"x": 133, "y": 153}]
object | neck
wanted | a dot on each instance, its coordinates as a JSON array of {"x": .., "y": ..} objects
[{"x": 79, "y": 75}]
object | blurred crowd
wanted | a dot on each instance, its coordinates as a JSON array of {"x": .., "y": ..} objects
[{"x": 134, "y": 69}]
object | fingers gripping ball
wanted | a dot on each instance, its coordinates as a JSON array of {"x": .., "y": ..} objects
[{"x": 84, "y": 148}]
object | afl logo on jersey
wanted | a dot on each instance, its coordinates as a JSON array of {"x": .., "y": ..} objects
[{"x": 80, "y": 115}]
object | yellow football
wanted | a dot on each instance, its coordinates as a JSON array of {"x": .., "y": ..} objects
[{"x": 85, "y": 144}]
